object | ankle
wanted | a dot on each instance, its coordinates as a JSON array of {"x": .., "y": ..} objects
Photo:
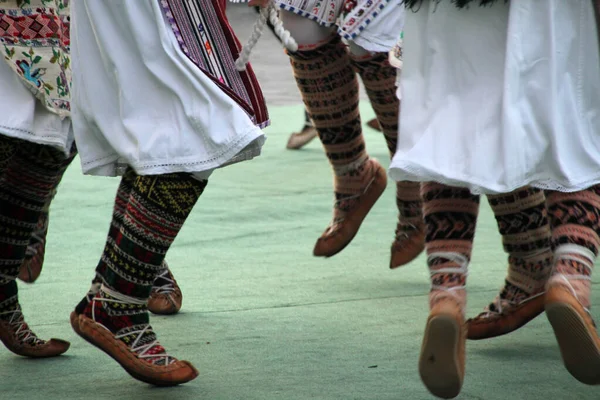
[
  {"x": 448, "y": 302},
  {"x": 114, "y": 313}
]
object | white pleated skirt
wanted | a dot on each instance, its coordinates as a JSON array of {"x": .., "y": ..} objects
[
  {"x": 24, "y": 117},
  {"x": 497, "y": 98},
  {"x": 139, "y": 101}
]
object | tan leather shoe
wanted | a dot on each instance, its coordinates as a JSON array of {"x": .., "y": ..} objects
[
  {"x": 300, "y": 139},
  {"x": 491, "y": 324},
  {"x": 337, "y": 236},
  {"x": 575, "y": 332},
  {"x": 166, "y": 296},
  {"x": 442, "y": 359},
  {"x": 374, "y": 124},
  {"x": 18, "y": 338},
  {"x": 173, "y": 373},
  {"x": 407, "y": 246}
]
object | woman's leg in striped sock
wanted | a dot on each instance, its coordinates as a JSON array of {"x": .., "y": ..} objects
[
  {"x": 116, "y": 319},
  {"x": 523, "y": 223},
  {"x": 450, "y": 217},
  {"x": 575, "y": 221},
  {"x": 379, "y": 78},
  {"x": 28, "y": 174},
  {"x": 329, "y": 89}
]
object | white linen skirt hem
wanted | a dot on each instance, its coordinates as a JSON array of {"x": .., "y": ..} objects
[
  {"x": 403, "y": 170},
  {"x": 247, "y": 147}
]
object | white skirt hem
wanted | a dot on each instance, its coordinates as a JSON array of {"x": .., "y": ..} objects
[{"x": 410, "y": 171}]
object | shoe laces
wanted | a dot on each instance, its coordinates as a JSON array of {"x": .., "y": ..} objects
[
  {"x": 404, "y": 231},
  {"x": 168, "y": 283},
  {"x": 20, "y": 328}
]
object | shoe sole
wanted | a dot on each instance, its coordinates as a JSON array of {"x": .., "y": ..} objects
[
  {"x": 578, "y": 348},
  {"x": 89, "y": 338},
  {"x": 438, "y": 362}
]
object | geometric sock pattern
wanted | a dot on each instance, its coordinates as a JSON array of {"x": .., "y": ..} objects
[
  {"x": 575, "y": 221},
  {"x": 523, "y": 222},
  {"x": 450, "y": 216},
  {"x": 155, "y": 212},
  {"x": 329, "y": 89},
  {"x": 379, "y": 78},
  {"x": 120, "y": 205},
  {"x": 26, "y": 184}
]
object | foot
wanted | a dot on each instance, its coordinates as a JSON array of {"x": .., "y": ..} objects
[
  {"x": 166, "y": 296},
  {"x": 130, "y": 341},
  {"x": 575, "y": 331},
  {"x": 442, "y": 359},
  {"x": 409, "y": 244},
  {"x": 343, "y": 228},
  {"x": 20, "y": 339},
  {"x": 31, "y": 268},
  {"x": 300, "y": 139},
  {"x": 374, "y": 124},
  {"x": 502, "y": 317}
]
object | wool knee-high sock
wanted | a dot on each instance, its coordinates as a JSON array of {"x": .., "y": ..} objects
[
  {"x": 450, "y": 218},
  {"x": 60, "y": 173},
  {"x": 329, "y": 88},
  {"x": 120, "y": 205},
  {"x": 523, "y": 223},
  {"x": 36, "y": 247},
  {"x": 575, "y": 221},
  {"x": 8, "y": 148},
  {"x": 157, "y": 208},
  {"x": 25, "y": 186},
  {"x": 379, "y": 78}
]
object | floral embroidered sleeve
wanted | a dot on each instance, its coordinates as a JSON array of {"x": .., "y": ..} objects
[{"x": 34, "y": 40}]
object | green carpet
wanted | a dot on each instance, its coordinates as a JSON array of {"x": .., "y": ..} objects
[{"x": 263, "y": 319}]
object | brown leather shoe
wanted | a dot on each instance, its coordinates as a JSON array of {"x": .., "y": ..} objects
[
  {"x": 442, "y": 359},
  {"x": 374, "y": 124},
  {"x": 300, "y": 139},
  {"x": 166, "y": 296},
  {"x": 18, "y": 338},
  {"x": 490, "y": 324},
  {"x": 174, "y": 373},
  {"x": 407, "y": 246},
  {"x": 575, "y": 332},
  {"x": 31, "y": 268},
  {"x": 337, "y": 236}
]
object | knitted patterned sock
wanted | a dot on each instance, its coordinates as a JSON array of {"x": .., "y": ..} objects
[
  {"x": 329, "y": 89},
  {"x": 25, "y": 185},
  {"x": 523, "y": 223},
  {"x": 121, "y": 201},
  {"x": 379, "y": 78},
  {"x": 450, "y": 218},
  {"x": 8, "y": 148},
  {"x": 575, "y": 221},
  {"x": 36, "y": 247},
  {"x": 157, "y": 208}
]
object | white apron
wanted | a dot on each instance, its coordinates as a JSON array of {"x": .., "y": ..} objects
[
  {"x": 497, "y": 98},
  {"x": 139, "y": 101}
]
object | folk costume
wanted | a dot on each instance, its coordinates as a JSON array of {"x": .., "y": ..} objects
[
  {"x": 325, "y": 69},
  {"x": 36, "y": 139},
  {"x": 499, "y": 98},
  {"x": 158, "y": 99}
]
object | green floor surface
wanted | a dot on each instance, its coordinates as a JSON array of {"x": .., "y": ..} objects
[{"x": 263, "y": 319}]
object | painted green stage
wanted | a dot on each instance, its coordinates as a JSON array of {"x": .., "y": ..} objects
[{"x": 262, "y": 318}]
